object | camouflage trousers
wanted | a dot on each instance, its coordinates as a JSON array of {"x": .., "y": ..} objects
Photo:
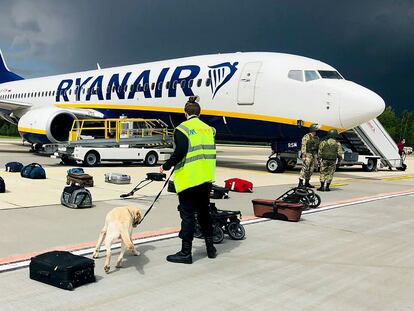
[
  {"x": 308, "y": 166},
  {"x": 328, "y": 168}
]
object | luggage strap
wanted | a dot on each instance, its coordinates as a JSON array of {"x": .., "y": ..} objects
[{"x": 156, "y": 198}]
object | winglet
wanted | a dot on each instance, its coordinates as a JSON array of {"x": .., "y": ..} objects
[{"x": 5, "y": 74}]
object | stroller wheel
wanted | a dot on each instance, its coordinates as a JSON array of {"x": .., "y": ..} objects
[
  {"x": 313, "y": 200},
  {"x": 197, "y": 233},
  {"x": 236, "y": 231},
  {"x": 218, "y": 235}
]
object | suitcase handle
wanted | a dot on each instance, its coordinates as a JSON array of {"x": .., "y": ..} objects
[{"x": 44, "y": 273}]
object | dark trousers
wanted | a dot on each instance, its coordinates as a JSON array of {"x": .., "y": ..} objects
[{"x": 195, "y": 200}]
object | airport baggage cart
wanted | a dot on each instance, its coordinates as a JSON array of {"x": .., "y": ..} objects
[
  {"x": 277, "y": 209},
  {"x": 117, "y": 178},
  {"x": 62, "y": 269},
  {"x": 84, "y": 180}
]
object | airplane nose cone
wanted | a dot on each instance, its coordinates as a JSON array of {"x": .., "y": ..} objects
[{"x": 360, "y": 105}]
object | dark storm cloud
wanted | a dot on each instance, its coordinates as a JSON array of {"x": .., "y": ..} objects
[{"x": 369, "y": 42}]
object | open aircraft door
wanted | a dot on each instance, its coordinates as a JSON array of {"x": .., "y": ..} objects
[{"x": 247, "y": 83}]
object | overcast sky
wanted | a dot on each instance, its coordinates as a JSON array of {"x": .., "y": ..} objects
[{"x": 370, "y": 41}]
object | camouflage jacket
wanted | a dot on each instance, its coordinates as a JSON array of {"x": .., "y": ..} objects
[
  {"x": 310, "y": 144},
  {"x": 330, "y": 149}
]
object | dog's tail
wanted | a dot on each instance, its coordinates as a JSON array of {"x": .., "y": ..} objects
[{"x": 127, "y": 240}]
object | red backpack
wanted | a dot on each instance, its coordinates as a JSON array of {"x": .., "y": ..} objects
[{"x": 239, "y": 185}]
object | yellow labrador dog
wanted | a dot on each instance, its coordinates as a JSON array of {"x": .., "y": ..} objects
[{"x": 118, "y": 224}]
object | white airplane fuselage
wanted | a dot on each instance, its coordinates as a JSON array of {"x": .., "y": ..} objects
[{"x": 246, "y": 96}]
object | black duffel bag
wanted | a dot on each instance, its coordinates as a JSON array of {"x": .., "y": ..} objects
[
  {"x": 62, "y": 269},
  {"x": 33, "y": 171},
  {"x": 14, "y": 167},
  {"x": 2, "y": 185},
  {"x": 156, "y": 176}
]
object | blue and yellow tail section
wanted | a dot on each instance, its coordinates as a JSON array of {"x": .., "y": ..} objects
[{"x": 5, "y": 74}]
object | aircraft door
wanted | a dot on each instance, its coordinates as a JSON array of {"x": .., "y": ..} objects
[
  {"x": 247, "y": 83},
  {"x": 331, "y": 106}
]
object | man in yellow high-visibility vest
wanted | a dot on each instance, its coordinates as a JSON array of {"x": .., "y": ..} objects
[{"x": 194, "y": 159}]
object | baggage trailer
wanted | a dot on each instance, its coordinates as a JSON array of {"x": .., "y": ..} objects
[{"x": 92, "y": 141}]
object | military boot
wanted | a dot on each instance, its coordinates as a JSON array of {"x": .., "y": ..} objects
[
  {"x": 211, "y": 250},
  {"x": 308, "y": 185},
  {"x": 322, "y": 187},
  {"x": 327, "y": 186},
  {"x": 183, "y": 256},
  {"x": 300, "y": 185}
]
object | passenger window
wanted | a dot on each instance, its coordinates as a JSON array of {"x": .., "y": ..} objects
[
  {"x": 146, "y": 87},
  {"x": 53, "y": 93},
  {"x": 296, "y": 75},
  {"x": 152, "y": 85},
  {"x": 159, "y": 86},
  {"x": 182, "y": 84},
  {"x": 167, "y": 85},
  {"x": 199, "y": 82},
  {"x": 208, "y": 82},
  {"x": 190, "y": 83},
  {"x": 174, "y": 85},
  {"x": 311, "y": 75},
  {"x": 126, "y": 88}
]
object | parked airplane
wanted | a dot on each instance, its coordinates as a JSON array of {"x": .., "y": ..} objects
[{"x": 246, "y": 96}]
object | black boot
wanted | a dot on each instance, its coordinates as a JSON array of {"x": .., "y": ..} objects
[
  {"x": 322, "y": 187},
  {"x": 183, "y": 256},
  {"x": 308, "y": 185},
  {"x": 327, "y": 186},
  {"x": 211, "y": 250},
  {"x": 300, "y": 185}
]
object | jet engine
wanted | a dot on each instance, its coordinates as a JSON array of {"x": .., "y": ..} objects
[{"x": 51, "y": 123}]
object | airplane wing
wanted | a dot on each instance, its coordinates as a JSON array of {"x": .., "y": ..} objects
[
  {"x": 11, "y": 105},
  {"x": 8, "y": 107}
]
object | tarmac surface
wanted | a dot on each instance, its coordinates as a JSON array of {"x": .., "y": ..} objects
[{"x": 355, "y": 252}]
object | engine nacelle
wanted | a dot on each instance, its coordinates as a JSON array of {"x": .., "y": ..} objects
[{"x": 46, "y": 125}]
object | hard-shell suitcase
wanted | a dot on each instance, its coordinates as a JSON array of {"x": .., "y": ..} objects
[
  {"x": 117, "y": 178},
  {"x": 277, "y": 209},
  {"x": 85, "y": 180},
  {"x": 62, "y": 269}
]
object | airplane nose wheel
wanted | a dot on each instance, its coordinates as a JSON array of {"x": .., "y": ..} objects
[{"x": 275, "y": 165}]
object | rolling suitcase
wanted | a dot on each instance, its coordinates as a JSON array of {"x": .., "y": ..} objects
[
  {"x": 62, "y": 269},
  {"x": 117, "y": 178}
]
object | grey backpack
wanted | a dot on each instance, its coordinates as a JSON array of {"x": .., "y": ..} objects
[{"x": 75, "y": 196}]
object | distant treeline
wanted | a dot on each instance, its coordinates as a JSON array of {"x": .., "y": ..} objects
[
  {"x": 7, "y": 129},
  {"x": 399, "y": 126}
]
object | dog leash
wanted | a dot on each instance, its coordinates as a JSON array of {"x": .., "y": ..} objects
[{"x": 157, "y": 197}]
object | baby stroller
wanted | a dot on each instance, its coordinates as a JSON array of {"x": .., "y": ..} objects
[
  {"x": 304, "y": 195},
  {"x": 224, "y": 222}
]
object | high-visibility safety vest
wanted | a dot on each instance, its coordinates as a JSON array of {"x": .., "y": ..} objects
[{"x": 199, "y": 165}]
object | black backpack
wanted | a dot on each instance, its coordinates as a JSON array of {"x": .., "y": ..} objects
[
  {"x": 2, "y": 185},
  {"x": 14, "y": 167}
]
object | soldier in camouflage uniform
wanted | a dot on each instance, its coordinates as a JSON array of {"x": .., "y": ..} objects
[
  {"x": 309, "y": 150},
  {"x": 330, "y": 151}
]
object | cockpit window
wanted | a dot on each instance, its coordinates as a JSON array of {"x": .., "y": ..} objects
[
  {"x": 330, "y": 74},
  {"x": 295, "y": 75},
  {"x": 311, "y": 75}
]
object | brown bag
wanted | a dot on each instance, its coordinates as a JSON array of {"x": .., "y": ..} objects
[
  {"x": 85, "y": 180},
  {"x": 277, "y": 209}
]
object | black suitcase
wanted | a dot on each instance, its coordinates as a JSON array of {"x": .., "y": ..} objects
[{"x": 62, "y": 269}]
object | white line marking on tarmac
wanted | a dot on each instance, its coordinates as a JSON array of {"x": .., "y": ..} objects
[{"x": 89, "y": 251}]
